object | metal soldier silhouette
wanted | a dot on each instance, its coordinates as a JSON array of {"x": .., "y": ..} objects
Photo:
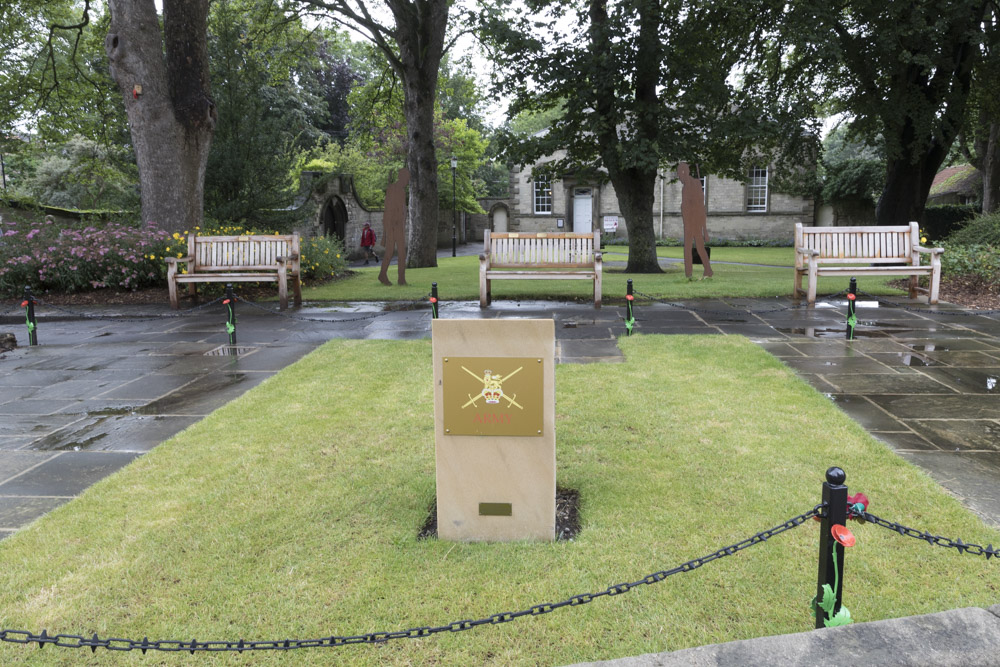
[
  {"x": 695, "y": 219},
  {"x": 394, "y": 227}
]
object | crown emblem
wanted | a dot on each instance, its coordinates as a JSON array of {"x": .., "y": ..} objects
[{"x": 492, "y": 390}]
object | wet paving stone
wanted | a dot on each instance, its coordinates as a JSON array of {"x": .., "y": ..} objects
[
  {"x": 17, "y": 463},
  {"x": 866, "y": 413},
  {"x": 969, "y": 406},
  {"x": 18, "y": 511},
  {"x": 66, "y": 474},
  {"x": 128, "y": 432},
  {"x": 33, "y": 407},
  {"x": 904, "y": 359},
  {"x": 905, "y": 441},
  {"x": 968, "y": 380},
  {"x": 960, "y": 434},
  {"x": 149, "y": 386},
  {"x": 826, "y": 365},
  {"x": 872, "y": 384},
  {"x": 963, "y": 358}
]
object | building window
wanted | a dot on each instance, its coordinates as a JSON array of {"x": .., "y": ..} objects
[
  {"x": 543, "y": 195},
  {"x": 757, "y": 190}
]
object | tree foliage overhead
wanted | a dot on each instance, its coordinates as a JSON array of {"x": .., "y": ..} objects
[
  {"x": 901, "y": 70},
  {"x": 639, "y": 85}
]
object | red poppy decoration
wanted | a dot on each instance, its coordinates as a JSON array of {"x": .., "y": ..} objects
[
  {"x": 225, "y": 302},
  {"x": 434, "y": 300},
  {"x": 24, "y": 304},
  {"x": 843, "y": 535},
  {"x": 852, "y": 297},
  {"x": 630, "y": 297}
]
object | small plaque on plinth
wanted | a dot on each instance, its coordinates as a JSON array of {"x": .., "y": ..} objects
[{"x": 494, "y": 404}]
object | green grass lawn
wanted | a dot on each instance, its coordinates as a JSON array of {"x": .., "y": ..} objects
[
  {"x": 294, "y": 510},
  {"x": 763, "y": 273}
]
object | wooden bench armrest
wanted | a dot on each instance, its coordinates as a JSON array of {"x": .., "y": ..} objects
[
  {"x": 294, "y": 257},
  {"x": 807, "y": 251},
  {"x": 933, "y": 251},
  {"x": 178, "y": 260}
]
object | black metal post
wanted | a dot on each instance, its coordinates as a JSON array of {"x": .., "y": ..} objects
[
  {"x": 29, "y": 305},
  {"x": 454, "y": 211},
  {"x": 831, "y": 553},
  {"x": 434, "y": 301},
  {"x": 852, "y": 318},
  {"x": 629, "y": 316},
  {"x": 3, "y": 171},
  {"x": 230, "y": 303}
]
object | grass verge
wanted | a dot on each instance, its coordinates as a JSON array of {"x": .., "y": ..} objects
[
  {"x": 293, "y": 512},
  {"x": 458, "y": 280}
]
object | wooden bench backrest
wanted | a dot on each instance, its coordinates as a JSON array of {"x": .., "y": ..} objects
[
  {"x": 523, "y": 250},
  {"x": 252, "y": 252},
  {"x": 876, "y": 244}
]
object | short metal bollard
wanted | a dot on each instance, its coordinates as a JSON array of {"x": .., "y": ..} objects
[
  {"x": 230, "y": 303},
  {"x": 629, "y": 313},
  {"x": 852, "y": 318},
  {"x": 29, "y": 316},
  {"x": 830, "y": 583},
  {"x": 434, "y": 301}
]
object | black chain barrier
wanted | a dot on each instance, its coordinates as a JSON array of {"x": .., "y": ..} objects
[
  {"x": 119, "y": 318},
  {"x": 925, "y": 310},
  {"x": 681, "y": 306},
  {"x": 923, "y": 535},
  {"x": 404, "y": 306},
  {"x": 94, "y": 642}
]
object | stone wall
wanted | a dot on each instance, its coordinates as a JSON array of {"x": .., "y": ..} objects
[{"x": 725, "y": 202}]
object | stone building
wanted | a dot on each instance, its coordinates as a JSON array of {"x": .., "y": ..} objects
[{"x": 750, "y": 209}]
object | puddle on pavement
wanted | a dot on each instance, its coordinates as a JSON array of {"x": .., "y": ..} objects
[
  {"x": 230, "y": 351},
  {"x": 930, "y": 348},
  {"x": 816, "y": 332}
]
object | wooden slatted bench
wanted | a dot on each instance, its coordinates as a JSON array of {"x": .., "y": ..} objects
[
  {"x": 232, "y": 259},
  {"x": 539, "y": 256},
  {"x": 864, "y": 251}
]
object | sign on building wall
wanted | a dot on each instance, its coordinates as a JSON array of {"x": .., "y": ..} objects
[{"x": 611, "y": 223}]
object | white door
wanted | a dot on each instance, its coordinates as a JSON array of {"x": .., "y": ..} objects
[
  {"x": 500, "y": 220},
  {"x": 583, "y": 210}
]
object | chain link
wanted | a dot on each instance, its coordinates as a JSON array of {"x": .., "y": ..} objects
[
  {"x": 119, "y": 644},
  {"x": 966, "y": 312},
  {"x": 682, "y": 306},
  {"x": 923, "y": 535},
  {"x": 116, "y": 318},
  {"x": 406, "y": 305}
]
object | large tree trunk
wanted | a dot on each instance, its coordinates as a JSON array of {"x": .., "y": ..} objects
[
  {"x": 164, "y": 80},
  {"x": 906, "y": 188},
  {"x": 421, "y": 84},
  {"x": 634, "y": 177},
  {"x": 635, "y": 190},
  {"x": 988, "y": 150},
  {"x": 420, "y": 28}
]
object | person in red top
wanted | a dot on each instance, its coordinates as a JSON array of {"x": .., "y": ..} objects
[{"x": 368, "y": 242}]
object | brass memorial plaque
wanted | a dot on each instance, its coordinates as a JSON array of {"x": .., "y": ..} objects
[{"x": 492, "y": 396}]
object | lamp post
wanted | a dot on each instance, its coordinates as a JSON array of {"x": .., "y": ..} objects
[{"x": 454, "y": 209}]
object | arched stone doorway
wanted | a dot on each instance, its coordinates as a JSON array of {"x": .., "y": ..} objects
[
  {"x": 499, "y": 218},
  {"x": 334, "y": 221}
]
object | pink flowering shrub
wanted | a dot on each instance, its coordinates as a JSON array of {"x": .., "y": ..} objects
[{"x": 69, "y": 258}]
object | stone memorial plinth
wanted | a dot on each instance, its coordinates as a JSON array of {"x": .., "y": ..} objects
[{"x": 495, "y": 446}]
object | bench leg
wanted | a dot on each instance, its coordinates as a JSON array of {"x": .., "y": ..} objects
[
  {"x": 932, "y": 295},
  {"x": 797, "y": 284},
  {"x": 297, "y": 291},
  {"x": 482, "y": 288},
  {"x": 282, "y": 295},
  {"x": 813, "y": 278},
  {"x": 172, "y": 288},
  {"x": 913, "y": 287},
  {"x": 597, "y": 290}
]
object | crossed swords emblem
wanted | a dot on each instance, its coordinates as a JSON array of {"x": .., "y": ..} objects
[{"x": 492, "y": 390}]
